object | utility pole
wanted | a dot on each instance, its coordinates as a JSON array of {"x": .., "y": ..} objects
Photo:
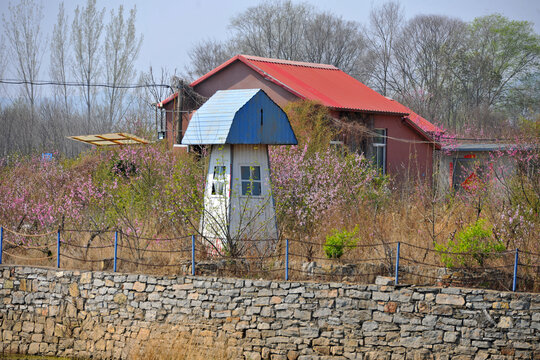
[{"x": 180, "y": 108}]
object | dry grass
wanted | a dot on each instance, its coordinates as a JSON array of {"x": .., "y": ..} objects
[{"x": 411, "y": 218}]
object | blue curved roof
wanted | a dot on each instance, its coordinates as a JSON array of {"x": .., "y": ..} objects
[{"x": 246, "y": 116}]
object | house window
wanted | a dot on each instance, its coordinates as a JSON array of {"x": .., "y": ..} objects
[
  {"x": 218, "y": 181},
  {"x": 251, "y": 180},
  {"x": 379, "y": 145}
]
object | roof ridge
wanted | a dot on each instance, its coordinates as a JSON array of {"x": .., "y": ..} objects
[{"x": 289, "y": 62}]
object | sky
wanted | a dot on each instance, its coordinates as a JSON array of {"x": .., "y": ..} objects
[{"x": 171, "y": 28}]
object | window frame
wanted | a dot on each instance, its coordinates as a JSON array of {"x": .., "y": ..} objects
[
  {"x": 250, "y": 181},
  {"x": 382, "y": 134},
  {"x": 220, "y": 178}
]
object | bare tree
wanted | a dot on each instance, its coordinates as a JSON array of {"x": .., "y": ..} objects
[
  {"x": 23, "y": 31},
  {"x": 3, "y": 58},
  {"x": 3, "y": 66},
  {"x": 423, "y": 77},
  {"x": 60, "y": 56},
  {"x": 272, "y": 29},
  {"x": 143, "y": 116},
  {"x": 86, "y": 33},
  {"x": 122, "y": 47},
  {"x": 385, "y": 24},
  {"x": 289, "y": 31},
  {"x": 154, "y": 93},
  {"x": 330, "y": 39},
  {"x": 14, "y": 125},
  {"x": 208, "y": 54}
]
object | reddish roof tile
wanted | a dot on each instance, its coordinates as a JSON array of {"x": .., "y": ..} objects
[
  {"x": 325, "y": 83},
  {"x": 167, "y": 100}
]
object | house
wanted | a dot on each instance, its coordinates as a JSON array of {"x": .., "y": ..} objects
[
  {"x": 238, "y": 125},
  {"x": 465, "y": 166},
  {"x": 399, "y": 142}
]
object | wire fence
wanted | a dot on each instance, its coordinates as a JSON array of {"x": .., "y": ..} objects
[{"x": 267, "y": 258}]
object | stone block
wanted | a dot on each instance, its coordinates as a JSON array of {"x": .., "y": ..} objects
[
  {"x": 143, "y": 334},
  {"x": 451, "y": 336},
  {"x": 442, "y": 310},
  {"x": 292, "y": 355},
  {"x": 139, "y": 286},
  {"x": 505, "y": 322},
  {"x": 384, "y": 280},
  {"x": 309, "y": 332},
  {"x": 370, "y": 326},
  {"x": 8, "y": 284},
  {"x": 120, "y": 298},
  {"x": 79, "y": 345},
  {"x": 390, "y": 307},
  {"x": 380, "y": 296},
  {"x": 450, "y": 299},
  {"x": 500, "y": 305},
  {"x": 252, "y": 355},
  {"x": 25, "y": 285},
  {"x": 17, "y": 298},
  {"x": 429, "y": 320},
  {"x": 74, "y": 290},
  {"x": 520, "y": 304},
  {"x": 382, "y": 317},
  {"x": 7, "y": 336},
  {"x": 33, "y": 349},
  {"x": 323, "y": 350},
  {"x": 324, "y": 312},
  {"x": 423, "y": 307},
  {"x": 27, "y": 326},
  {"x": 481, "y": 344}
]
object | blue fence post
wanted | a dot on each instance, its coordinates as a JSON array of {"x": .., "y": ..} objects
[
  {"x": 397, "y": 264},
  {"x": 115, "y": 249},
  {"x": 58, "y": 250},
  {"x": 514, "y": 281},
  {"x": 286, "y": 259},
  {"x": 1, "y": 242},
  {"x": 193, "y": 255}
]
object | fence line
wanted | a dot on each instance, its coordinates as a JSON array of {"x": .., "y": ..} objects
[{"x": 393, "y": 259}]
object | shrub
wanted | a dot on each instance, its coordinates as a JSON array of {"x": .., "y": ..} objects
[
  {"x": 309, "y": 188},
  {"x": 339, "y": 241},
  {"x": 474, "y": 242}
]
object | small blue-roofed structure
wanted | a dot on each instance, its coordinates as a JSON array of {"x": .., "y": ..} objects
[
  {"x": 238, "y": 205},
  {"x": 239, "y": 117}
]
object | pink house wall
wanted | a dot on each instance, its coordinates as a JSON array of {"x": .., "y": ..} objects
[
  {"x": 239, "y": 76},
  {"x": 408, "y": 155}
]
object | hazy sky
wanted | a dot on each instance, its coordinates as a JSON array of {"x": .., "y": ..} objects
[{"x": 170, "y": 28}]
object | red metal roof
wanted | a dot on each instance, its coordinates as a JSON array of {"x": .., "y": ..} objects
[
  {"x": 167, "y": 100},
  {"x": 325, "y": 83}
]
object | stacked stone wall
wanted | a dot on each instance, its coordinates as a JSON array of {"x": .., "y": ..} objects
[{"x": 108, "y": 315}]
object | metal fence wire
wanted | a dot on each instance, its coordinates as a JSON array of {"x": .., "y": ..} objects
[{"x": 269, "y": 257}]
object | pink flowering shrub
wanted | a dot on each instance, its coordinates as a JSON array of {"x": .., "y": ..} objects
[
  {"x": 44, "y": 195},
  {"x": 308, "y": 188}
]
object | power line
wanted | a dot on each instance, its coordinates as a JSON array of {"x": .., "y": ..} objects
[
  {"x": 73, "y": 83},
  {"x": 137, "y": 86}
]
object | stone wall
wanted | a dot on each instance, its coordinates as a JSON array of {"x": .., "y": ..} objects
[{"x": 105, "y": 315}]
